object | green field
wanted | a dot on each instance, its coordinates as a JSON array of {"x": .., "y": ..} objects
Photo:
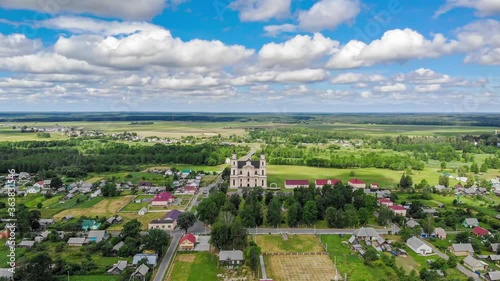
[
  {"x": 295, "y": 243},
  {"x": 104, "y": 277},
  {"x": 195, "y": 267}
]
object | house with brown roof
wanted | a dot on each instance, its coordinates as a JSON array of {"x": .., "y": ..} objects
[{"x": 168, "y": 222}]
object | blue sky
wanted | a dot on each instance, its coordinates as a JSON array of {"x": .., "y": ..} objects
[{"x": 250, "y": 55}]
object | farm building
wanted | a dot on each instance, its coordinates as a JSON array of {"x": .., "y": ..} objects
[
  {"x": 142, "y": 211},
  {"x": 77, "y": 242},
  {"x": 140, "y": 272},
  {"x": 296, "y": 183},
  {"x": 118, "y": 268},
  {"x": 418, "y": 246}
]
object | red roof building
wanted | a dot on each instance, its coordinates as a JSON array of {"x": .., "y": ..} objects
[
  {"x": 398, "y": 210},
  {"x": 479, "y": 231},
  {"x": 374, "y": 185},
  {"x": 192, "y": 189},
  {"x": 187, "y": 242},
  {"x": 385, "y": 201},
  {"x": 163, "y": 199},
  {"x": 296, "y": 183},
  {"x": 356, "y": 183},
  {"x": 321, "y": 183}
]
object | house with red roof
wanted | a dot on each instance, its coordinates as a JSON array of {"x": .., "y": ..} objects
[
  {"x": 374, "y": 185},
  {"x": 479, "y": 231},
  {"x": 357, "y": 183},
  {"x": 190, "y": 189},
  {"x": 163, "y": 199},
  {"x": 321, "y": 183},
  {"x": 296, "y": 183},
  {"x": 187, "y": 242},
  {"x": 398, "y": 210},
  {"x": 385, "y": 201}
]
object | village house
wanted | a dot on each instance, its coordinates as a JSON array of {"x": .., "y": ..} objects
[
  {"x": 140, "y": 272},
  {"x": 374, "y": 185},
  {"x": 494, "y": 247},
  {"x": 168, "y": 222},
  {"x": 187, "y": 242},
  {"x": 231, "y": 259},
  {"x": 163, "y": 199},
  {"x": 26, "y": 244},
  {"x": 398, "y": 210},
  {"x": 366, "y": 233},
  {"x": 356, "y": 183},
  {"x": 45, "y": 222},
  {"x": 479, "y": 231},
  {"x": 492, "y": 276},
  {"x": 118, "y": 246},
  {"x": 440, "y": 233},
  {"x": 118, "y": 267},
  {"x": 320, "y": 183},
  {"x": 77, "y": 241},
  {"x": 290, "y": 184},
  {"x": 190, "y": 189},
  {"x": 418, "y": 246},
  {"x": 470, "y": 222},
  {"x": 90, "y": 225},
  {"x": 411, "y": 223},
  {"x": 474, "y": 263},
  {"x": 97, "y": 235},
  {"x": 385, "y": 202},
  {"x": 461, "y": 250},
  {"x": 151, "y": 259}
]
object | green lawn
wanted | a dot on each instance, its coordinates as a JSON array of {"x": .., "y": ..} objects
[
  {"x": 195, "y": 267},
  {"x": 91, "y": 202},
  {"x": 295, "y": 243},
  {"x": 104, "y": 277},
  {"x": 352, "y": 264}
]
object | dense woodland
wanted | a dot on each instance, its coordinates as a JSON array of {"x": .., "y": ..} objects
[{"x": 75, "y": 158}]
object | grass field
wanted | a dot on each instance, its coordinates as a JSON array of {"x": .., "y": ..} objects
[
  {"x": 295, "y": 243},
  {"x": 194, "y": 267},
  {"x": 352, "y": 264},
  {"x": 106, "y": 207},
  {"x": 104, "y": 277},
  {"x": 299, "y": 268}
]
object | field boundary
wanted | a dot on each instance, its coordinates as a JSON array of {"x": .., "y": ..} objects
[
  {"x": 170, "y": 266},
  {"x": 295, "y": 254},
  {"x": 132, "y": 200}
]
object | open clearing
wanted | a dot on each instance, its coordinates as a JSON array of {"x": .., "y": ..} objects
[
  {"x": 295, "y": 243},
  {"x": 194, "y": 267},
  {"x": 106, "y": 207},
  {"x": 300, "y": 268}
]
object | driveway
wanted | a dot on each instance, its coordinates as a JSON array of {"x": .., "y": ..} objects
[{"x": 203, "y": 244}]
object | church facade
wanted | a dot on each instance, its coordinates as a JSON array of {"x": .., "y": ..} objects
[{"x": 248, "y": 173}]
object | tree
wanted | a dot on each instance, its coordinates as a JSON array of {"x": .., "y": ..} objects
[
  {"x": 484, "y": 168},
  {"x": 109, "y": 190},
  {"x": 462, "y": 237},
  {"x": 428, "y": 224},
  {"x": 364, "y": 216},
  {"x": 157, "y": 240},
  {"x": 186, "y": 220},
  {"x": 474, "y": 168},
  {"x": 208, "y": 211},
  {"x": 252, "y": 253},
  {"x": 443, "y": 165},
  {"x": 56, "y": 183},
  {"x": 384, "y": 215},
  {"x": 405, "y": 182},
  {"x": 470, "y": 180},
  {"x": 293, "y": 215},
  {"x": 370, "y": 255},
  {"x": 330, "y": 217},
  {"x": 131, "y": 229},
  {"x": 444, "y": 180},
  {"x": 269, "y": 197},
  {"x": 310, "y": 212},
  {"x": 228, "y": 232},
  {"x": 351, "y": 214},
  {"x": 235, "y": 200},
  {"x": 37, "y": 268},
  {"x": 274, "y": 212}
]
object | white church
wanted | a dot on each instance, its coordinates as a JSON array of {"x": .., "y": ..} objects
[{"x": 248, "y": 173}]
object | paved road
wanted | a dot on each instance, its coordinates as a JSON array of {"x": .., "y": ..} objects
[{"x": 460, "y": 267}]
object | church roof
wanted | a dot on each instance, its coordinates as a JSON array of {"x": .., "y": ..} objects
[{"x": 255, "y": 164}]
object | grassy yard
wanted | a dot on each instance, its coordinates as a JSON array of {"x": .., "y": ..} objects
[
  {"x": 106, "y": 207},
  {"x": 352, "y": 264},
  {"x": 195, "y": 267},
  {"x": 295, "y": 243},
  {"x": 104, "y": 277}
]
